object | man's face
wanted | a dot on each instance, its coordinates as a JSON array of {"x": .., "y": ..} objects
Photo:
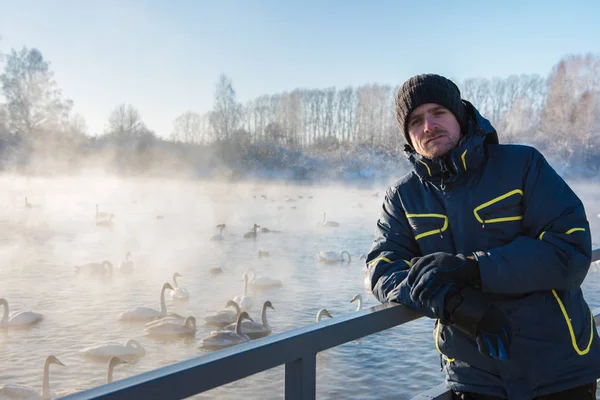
[{"x": 433, "y": 130}]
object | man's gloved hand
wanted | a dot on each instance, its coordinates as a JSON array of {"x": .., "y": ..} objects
[
  {"x": 429, "y": 273},
  {"x": 469, "y": 310},
  {"x": 494, "y": 333}
]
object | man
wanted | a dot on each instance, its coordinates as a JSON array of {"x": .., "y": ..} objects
[{"x": 489, "y": 240}]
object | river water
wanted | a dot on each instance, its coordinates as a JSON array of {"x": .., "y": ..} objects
[{"x": 166, "y": 225}]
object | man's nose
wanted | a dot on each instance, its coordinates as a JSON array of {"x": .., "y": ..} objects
[{"x": 430, "y": 123}]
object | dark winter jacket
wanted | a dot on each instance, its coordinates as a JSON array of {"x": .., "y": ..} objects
[{"x": 508, "y": 202}]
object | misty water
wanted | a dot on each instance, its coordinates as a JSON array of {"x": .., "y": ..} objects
[{"x": 166, "y": 225}]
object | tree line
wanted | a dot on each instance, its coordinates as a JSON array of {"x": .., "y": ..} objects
[{"x": 559, "y": 113}]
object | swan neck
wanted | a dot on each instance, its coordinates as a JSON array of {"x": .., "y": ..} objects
[
  {"x": 5, "y": 313},
  {"x": 238, "y": 327},
  {"x": 163, "y": 305},
  {"x": 264, "y": 317},
  {"x": 109, "y": 373},
  {"x": 175, "y": 281},
  {"x": 245, "y": 292},
  {"x": 359, "y": 306},
  {"x": 46, "y": 381}
]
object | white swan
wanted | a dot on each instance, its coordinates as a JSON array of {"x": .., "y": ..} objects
[
  {"x": 104, "y": 268},
  {"x": 105, "y": 222},
  {"x": 179, "y": 294},
  {"x": 172, "y": 328},
  {"x": 102, "y": 215},
  {"x": 9, "y": 391},
  {"x": 263, "y": 253},
  {"x": 222, "y": 339},
  {"x": 20, "y": 319},
  {"x": 219, "y": 236},
  {"x": 225, "y": 316},
  {"x": 252, "y": 233},
  {"x": 132, "y": 349},
  {"x": 359, "y": 300},
  {"x": 244, "y": 301},
  {"x": 262, "y": 282},
  {"x": 323, "y": 313},
  {"x": 29, "y": 205},
  {"x": 255, "y": 330},
  {"x": 330, "y": 257},
  {"x": 170, "y": 318},
  {"x": 215, "y": 270},
  {"x": 331, "y": 224},
  {"x": 126, "y": 266},
  {"x": 146, "y": 313}
]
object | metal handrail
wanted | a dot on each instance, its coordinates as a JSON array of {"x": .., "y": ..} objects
[{"x": 296, "y": 349}]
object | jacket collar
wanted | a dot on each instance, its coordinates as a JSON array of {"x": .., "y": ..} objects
[{"x": 467, "y": 156}]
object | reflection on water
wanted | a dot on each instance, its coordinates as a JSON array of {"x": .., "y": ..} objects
[{"x": 166, "y": 226}]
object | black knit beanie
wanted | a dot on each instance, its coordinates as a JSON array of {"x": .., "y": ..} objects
[{"x": 428, "y": 88}]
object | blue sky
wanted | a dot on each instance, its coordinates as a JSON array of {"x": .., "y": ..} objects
[{"x": 165, "y": 57}]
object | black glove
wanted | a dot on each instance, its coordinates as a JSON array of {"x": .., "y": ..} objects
[
  {"x": 494, "y": 333},
  {"x": 429, "y": 273},
  {"x": 469, "y": 311}
]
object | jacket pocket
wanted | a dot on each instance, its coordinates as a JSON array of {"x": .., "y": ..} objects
[
  {"x": 501, "y": 209},
  {"x": 438, "y": 336},
  {"x": 424, "y": 225},
  {"x": 578, "y": 327}
]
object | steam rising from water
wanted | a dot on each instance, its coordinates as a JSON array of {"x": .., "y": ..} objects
[{"x": 39, "y": 245}]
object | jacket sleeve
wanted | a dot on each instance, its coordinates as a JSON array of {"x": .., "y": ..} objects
[
  {"x": 388, "y": 261},
  {"x": 555, "y": 250}
]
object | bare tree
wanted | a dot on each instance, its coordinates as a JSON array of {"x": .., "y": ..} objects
[
  {"x": 186, "y": 128},
  {"x": 77, "y": 125},
  {"x": 225, "y": 115},
  {"x": 33, "y": 100},
  {"x": 125, "y": 122},
  {"x": 569, "y": 116},
  {"x": 3, "y": 122}
]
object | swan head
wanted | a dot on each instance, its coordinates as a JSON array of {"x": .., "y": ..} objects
[
  {"x": 115, "y": 361},
  {"x": 136, "y": 345},
  {"x": 108, "y": 265},
  {"x": 323, "y": 313},
  {"x": 243, "y": 315},
  {"x": 190, "y": 322},
  {"x": 268, "y": 304},
  {"x": 231, "y": 303},
  {"x": 248, "y": 272},
  {"x": 356, "y": 298},
  {"x": 53, "y": 360},
  {"x": 167, "y": 285}
]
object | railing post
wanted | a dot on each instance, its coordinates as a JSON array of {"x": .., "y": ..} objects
[{"x": 301, "y": 378}]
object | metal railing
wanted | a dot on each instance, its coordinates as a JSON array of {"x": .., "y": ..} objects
[{"x": 296, "y": 349}]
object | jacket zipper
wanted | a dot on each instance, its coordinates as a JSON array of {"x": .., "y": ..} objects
[{"x": 444, "y": 170}]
